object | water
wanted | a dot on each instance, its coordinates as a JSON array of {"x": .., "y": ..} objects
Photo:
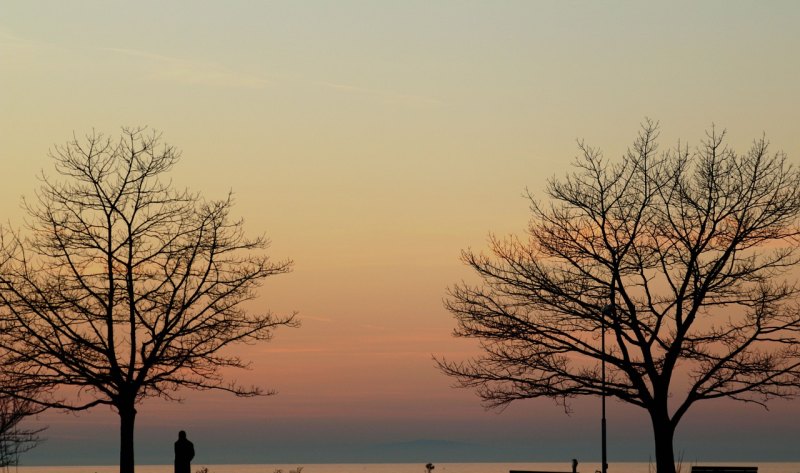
[{"x": 588, "y": 467}]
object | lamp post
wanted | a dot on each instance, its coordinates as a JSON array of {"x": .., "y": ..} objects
[
  {"x": 608, "y": 311},
  {"x": 604, "y": 465}
]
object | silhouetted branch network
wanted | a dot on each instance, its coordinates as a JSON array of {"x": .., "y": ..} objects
[
  {"x": 124, "y": 287},
  {"x": 699, "y": 246},
  {"x": 14, "y": 439}
]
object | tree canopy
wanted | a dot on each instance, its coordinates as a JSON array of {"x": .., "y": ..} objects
[
  {"x": 685, "y": 259},
  {"x": 124, "y": 287}
]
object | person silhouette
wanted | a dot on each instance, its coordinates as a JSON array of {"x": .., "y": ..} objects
[{"x": 184, "y": 452}]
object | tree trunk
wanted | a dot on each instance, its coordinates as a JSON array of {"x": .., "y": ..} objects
[
  {"x": 663, "y": 433},
  {"x": 127, "y": 417}
]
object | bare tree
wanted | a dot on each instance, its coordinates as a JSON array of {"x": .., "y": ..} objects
[
  {"x": 684, "y": 257},
  {"x": 126, "y": 288},
  {"x": 15, "y": 438}
]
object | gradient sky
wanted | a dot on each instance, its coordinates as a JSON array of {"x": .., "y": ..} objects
[{"x": 372, "y": 141}]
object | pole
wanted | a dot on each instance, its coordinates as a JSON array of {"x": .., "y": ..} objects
[
  {"x": 603, "y": 397},
  {"x": 607, "y": 311}
]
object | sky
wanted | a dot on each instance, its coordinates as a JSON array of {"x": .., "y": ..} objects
[{"x": 372, "y": 141}]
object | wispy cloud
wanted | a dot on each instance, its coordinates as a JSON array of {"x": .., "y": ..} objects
[
  {"x": 27, "y": 53},
  {"x": 20, "y": 52},
  {"x": 187, "y": 71},
  {"x": 24, "y": 52}
]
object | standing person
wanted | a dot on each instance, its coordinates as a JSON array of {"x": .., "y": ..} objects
[{"x": 184, "y": 452}]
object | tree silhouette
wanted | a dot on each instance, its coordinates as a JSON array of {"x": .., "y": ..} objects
[
  {"x": 126, "y": 288},
  {"x": 14, "y": 439},
  {"x": 684, "y": 257}
]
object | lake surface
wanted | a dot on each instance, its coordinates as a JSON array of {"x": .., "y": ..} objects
[{"x": 588, "y": 467}]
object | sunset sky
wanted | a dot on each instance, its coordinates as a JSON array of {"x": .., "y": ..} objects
[{"x": 372, "y": 141}]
